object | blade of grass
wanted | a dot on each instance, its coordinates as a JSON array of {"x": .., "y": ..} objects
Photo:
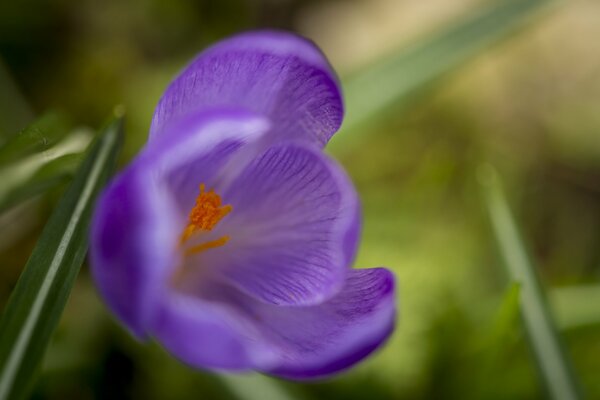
[
  {"x": 42, "y": 134},
  {"x": 554, "y": 365},
  {"x": 494, "y": 342},
  {"x": 55, "y": 172},
  {"x": 30, "y": 176},
  {"x": 391, "y": 82},
  {"x": 502, "y": 323},
  {"x": 39, "y": 297}
]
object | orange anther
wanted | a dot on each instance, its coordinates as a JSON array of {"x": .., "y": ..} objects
[{"x": 207, "y": 212}]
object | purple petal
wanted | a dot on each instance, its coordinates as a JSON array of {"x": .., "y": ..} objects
[
  {"x": 201, "y": 334},
  {"x": 324, "y": 339},
  {"x": 276, "y": 74},
  {"x": 293, "y": 229},
  {"x": 132, "y": 247},
  {"x": 197, "y": 148},
  {"x": 138, "y": 218},
  {"x": 223, "y": 328}
]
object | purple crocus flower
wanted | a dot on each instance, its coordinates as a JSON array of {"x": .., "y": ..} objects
[{"x": 230, "y": 238}]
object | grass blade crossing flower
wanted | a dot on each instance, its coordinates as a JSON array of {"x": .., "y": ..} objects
[{"x": 38, "y": 299}]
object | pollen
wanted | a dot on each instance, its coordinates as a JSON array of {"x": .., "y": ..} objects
[{"x": 206, "y": 213}]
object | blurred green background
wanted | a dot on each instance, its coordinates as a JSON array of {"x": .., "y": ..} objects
[{"x": 529, "y": 104}]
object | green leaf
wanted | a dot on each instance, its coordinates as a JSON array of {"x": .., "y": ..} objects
[
  {"x": 393, "y": 81},
  {"x": 505, "y": 318},
  {"x": 55, "y": 172},
  {"x": 493, "y": 343},
  {"x": 36, "y": 173},
  {"x": 38, "y": 299},
  {"x": 44, "y": 133},
  {"x": 554, "y": 365}
]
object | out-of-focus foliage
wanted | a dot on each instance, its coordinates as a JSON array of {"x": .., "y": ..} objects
[
  {"x": 528, "y": 106},
  {"x": 392, "y": 82},
  {"x": 41, "y": 156},
  {"x": 37, "y": 302},
  {"x": 554, "y": 365}
]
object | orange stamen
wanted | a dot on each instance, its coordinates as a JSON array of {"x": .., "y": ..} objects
[
  {"x": 208, "y": 245},
  {"x": 203, "y": 217}
]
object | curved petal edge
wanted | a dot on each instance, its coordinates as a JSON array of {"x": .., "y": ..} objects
[{"x": 276, "y": 74}]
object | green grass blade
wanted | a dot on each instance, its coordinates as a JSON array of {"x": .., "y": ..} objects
[
  {"x": 504, "y": 319},
  {"x": 494, "y": 342},
  {"x": 39, "y": 297},
  {"x": 42, "y": 134},
  {"x": 38, "y": 172},
  {"x": 388, "y": 84},
  {"x": 53, "y": 173},
  {"x": 555, "y": 367}
]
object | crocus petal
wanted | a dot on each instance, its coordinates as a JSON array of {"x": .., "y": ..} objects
[
  {"x": 130, "y": 246},
  {"x": 221, "y": 327},
  {"x": 196, "y": 149},
  {"x": 138, "y": 218},
  {"x": 276, "y": 74},
  {"x": 321, "y": 340},
  {"x": 201, "y": 334},
  {"x": 293, "y": 229}
]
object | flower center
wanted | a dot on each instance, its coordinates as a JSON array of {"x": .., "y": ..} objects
[{"x": 203, "y": 217}]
